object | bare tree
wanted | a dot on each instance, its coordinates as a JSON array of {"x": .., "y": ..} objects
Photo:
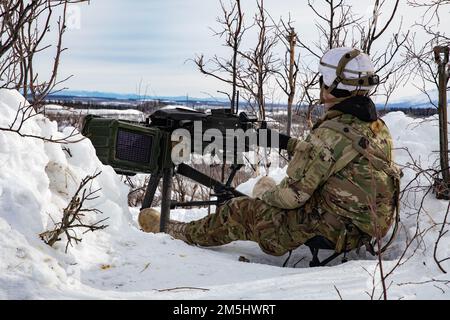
[
  {"x": 74, "y": 214},
  {"x": 338, "y": 26},
  {"x": 246, "y": 70},
  {"x": 372, "y": 33},
  {"x": 390, "y": 69},
  {"x": 223, "y": 69},
  {"x": 422, "y": 66},
  {"x": 413, "y": 197},
  {"x": 442, "y": 232},
  {"x": 13, "y": 15},
  {"x": 287, "y": 79},
  {"x": 260, "y": 63},
  {"x": 334, "y": 25},
  {"x": 432, "y": 7},
  {"x": 25, "y": 28}
]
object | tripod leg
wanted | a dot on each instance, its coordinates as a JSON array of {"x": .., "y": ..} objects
[
  {"x": 166, "y": 198},
  {"x": 151, "y": 189}
]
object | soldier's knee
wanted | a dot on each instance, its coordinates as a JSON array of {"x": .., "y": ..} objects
[
  {"x": 273, "y": 249},
  {"x": 237, "y": 208}
]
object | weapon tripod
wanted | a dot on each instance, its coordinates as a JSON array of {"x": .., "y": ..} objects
[{"x": 223, "y": 192}]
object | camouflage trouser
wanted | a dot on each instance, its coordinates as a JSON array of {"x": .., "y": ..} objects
[{"x": 277, "y": 231}]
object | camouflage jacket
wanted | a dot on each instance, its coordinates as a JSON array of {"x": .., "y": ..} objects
[{"x": 336, "y": 175}]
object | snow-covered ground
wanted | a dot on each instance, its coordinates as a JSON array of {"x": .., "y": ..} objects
[
  {"x": 123, "y": 114},
  {"x": 37, "y": 180}
]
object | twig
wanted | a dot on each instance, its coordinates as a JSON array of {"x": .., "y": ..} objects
[
  {"x": 338, "y": 292},
  {"x": 442, "y": 232},
  {"x": 73, "y": 215},
  {"x": 182, "y": 288}
]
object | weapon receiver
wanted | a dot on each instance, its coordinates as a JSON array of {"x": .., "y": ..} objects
[{"x": 145, "y": 147}]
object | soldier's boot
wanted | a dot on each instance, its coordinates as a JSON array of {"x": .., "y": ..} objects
[{"x": 149, "y": 221}]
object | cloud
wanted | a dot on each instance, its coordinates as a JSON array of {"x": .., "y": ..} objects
[{"x": 121, "y": 42}]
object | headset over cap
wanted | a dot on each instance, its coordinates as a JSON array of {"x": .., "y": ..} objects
[{"x": 347, "y": 71}]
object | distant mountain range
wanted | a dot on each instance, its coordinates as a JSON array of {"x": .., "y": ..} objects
[
  {"x": 415, "y": 102},
  {"x": 125, "y": 96},
  {"x": 418, "y": 101}
]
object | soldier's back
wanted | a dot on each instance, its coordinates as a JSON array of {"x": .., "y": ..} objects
[{"x": 361, "y": 187}]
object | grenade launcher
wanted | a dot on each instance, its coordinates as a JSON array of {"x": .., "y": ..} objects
[{"x": 131, "y": 148}]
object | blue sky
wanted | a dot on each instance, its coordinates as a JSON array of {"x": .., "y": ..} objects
[{"x": 120, "y": 44}]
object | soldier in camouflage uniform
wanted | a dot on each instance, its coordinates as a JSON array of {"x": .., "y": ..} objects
[{"x": 341, "y": 182}]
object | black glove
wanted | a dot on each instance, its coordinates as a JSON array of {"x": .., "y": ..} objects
[{"x": 284, "y": 140}]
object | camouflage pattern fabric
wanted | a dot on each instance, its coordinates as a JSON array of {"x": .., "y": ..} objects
[
  {"x": 277, "y": 231},
  {"x": 333, "y": 185},
  {"x": 342, "y": 181}
]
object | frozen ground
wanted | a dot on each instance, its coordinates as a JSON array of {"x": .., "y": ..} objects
[
  {"x": 123, "y": 114},
  {"x": 37, "y": 180}
]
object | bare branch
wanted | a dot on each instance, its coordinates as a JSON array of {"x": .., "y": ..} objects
[{"x": 73, "y": 215}]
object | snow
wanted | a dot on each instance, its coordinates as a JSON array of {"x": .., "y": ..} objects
[
  {"x": 123, "y": 114},
  {"x": 37, "y": 180}
]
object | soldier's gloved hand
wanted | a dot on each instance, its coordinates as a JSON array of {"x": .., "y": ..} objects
[{"x": 283, "y": 139}]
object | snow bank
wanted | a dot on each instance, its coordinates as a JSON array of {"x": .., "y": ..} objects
[
  {"x": 37, "y": 180},
  {"x": 418, "y": 139}
]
